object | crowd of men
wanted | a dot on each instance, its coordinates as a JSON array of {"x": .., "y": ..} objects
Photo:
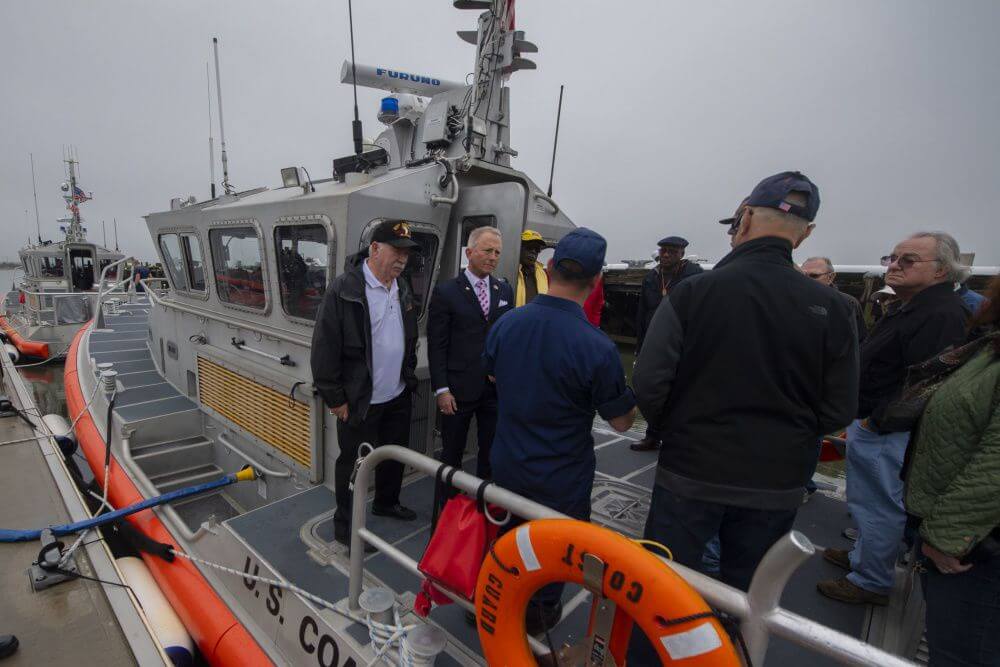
[{"x": 740, "y": 373}]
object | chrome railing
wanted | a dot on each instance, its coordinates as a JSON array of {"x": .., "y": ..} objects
[
  {"x": 757, "y": 610},
  {"x": 128, "y": 282}
]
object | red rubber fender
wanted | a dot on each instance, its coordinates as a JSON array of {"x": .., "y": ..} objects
[
  {"x": 647, "y": 592},
  {"x": 29, "y": 348},
  {"x": 220, "y": 637}
]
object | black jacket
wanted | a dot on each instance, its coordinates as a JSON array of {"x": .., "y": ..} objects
[
  {"x": 342, "y": 342},
  {"x": 906, "y": 335},
  {"x": 859, "y": 315},
  {"x": 744, "y": 368},
  {"x": 651, "y": 294},
  {"x": 456, "y": 335}
]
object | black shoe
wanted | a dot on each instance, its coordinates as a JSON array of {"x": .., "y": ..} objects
[
  {"x": 542, "y": 618},
  {"x": 645, "y": 445},
  {"x": 343, "y": 536},
  {"x": 397, "y": 511},
  {"x": 8, "y": 646}
]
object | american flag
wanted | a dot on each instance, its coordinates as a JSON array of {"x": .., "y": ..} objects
[{"x": 79, "y": 195}]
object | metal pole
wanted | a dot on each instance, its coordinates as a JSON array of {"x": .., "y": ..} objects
[
  {"x": 104, "y": 233},
  {"x": 226, "y": 187},
  {"x": 555, "y": 141},
  {"x": 211, "y": 140},
  {"x": 34, "y": 191},
  {"x": 116, "y": 235}
]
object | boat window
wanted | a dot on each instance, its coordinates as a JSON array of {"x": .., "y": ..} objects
[
  {"x": 303, "y": 259},
  {"x": 82, "y": 266},
  {"x": 173, "y": 260},
  {"x": 236, "y": 259},
  {"x": 420, "y": 268},
  {"x": 468, "y": 224},
  {"x": 195, "y": 263},
  {"x": 113, "y": 273},
  {"x": 52, "y": 267}
]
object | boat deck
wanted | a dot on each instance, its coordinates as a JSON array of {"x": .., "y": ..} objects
[{"x": 294, "y": 535}]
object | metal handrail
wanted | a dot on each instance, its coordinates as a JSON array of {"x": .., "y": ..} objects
[
  {"x": 758, "y": 610},
  {"x": 101, "y": 294},
  {"x": 264, "y": 471}
]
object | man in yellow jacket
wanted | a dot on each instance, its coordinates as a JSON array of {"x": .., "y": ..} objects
[{"x": 531, "y": 277}]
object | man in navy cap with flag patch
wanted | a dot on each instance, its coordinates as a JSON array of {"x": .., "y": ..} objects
[
  {"x": 671, "y": 269},
  {"x": 743, "y": 370}
]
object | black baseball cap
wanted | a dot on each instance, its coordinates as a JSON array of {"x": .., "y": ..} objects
[
  {"x": 771, "y": 193},
  {"x": 584, "y": 247},
  {"x": 675, "y": 241},
  {"x": 395, "y": 233},
  {"x": 732, "y": 221}
]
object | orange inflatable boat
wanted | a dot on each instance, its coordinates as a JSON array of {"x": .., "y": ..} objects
[{"x": 29, "y": 348}]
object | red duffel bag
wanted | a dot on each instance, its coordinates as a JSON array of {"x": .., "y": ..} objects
[{"x": 461, "y": 538}]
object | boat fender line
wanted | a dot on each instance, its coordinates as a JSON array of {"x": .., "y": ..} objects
[
  {"x": 682, "y": 628},
  {"x": 139, "y": 541},
  {"x": 62, "y": 433},
  {"x": 247, "y": 474}
]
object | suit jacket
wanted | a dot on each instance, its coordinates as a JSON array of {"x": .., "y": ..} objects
[{"x": 456, "y": 334}]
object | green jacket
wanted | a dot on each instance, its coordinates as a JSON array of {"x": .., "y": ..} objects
[{"x": 954, "y": 478}]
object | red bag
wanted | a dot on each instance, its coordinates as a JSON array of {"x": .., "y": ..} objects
[{"x": 455, "y": 553}]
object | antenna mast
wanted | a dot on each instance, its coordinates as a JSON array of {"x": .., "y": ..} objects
[
  {"x": 34, "y": 191},
  {"x": 226, "y": 187},
  {"x": 356, "y": 124},
  {"x": 555, "y": 142},
  {"x": 116, "y": 235},
  {"x": 104, "y": 232},
  {"x": 211, "y": 140}
]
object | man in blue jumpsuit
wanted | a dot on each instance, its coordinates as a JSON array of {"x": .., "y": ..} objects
[{"x": 553, "y": 372}]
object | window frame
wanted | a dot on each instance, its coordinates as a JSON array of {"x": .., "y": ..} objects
[
  {"x": 189, "y": 267},
  {"x": 185, "y": 261},
  {"x": 423, "y": 228},
  {"x": 222, "y": 225},
  {"x": 331, "y": 254}
]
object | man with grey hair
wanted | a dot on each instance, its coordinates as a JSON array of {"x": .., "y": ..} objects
[
  {"x": 821, "y": 270},
  {"x": 927, "y": 318},
  {"x": 462, "y": 312}
]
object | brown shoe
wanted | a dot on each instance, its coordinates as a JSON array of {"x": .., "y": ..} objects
[
  {"x": 844, "y": 591},
  {"x": 645, "y": 445},
  {"x": 839, "y": 557}
]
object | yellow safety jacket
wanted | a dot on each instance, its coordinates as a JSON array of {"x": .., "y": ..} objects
[{"x": 541, "y": 282}]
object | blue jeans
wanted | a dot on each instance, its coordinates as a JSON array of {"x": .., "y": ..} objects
[
  {"x": 687, "y": 526},
  {"x": 963, "y": 615},
  {"x": 875, "y": 500}
]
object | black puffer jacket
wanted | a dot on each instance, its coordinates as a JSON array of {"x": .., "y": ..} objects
[
  {"x": 342, "y": 342},
  {"x": 743, "y": 369}
]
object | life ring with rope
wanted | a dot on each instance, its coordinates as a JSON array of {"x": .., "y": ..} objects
[{"x": 681, "y": 626}]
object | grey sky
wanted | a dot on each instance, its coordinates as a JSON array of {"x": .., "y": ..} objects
[{"x": 672, "y": 111}]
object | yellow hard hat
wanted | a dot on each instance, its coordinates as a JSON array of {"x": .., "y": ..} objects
[{"x": 531, "y": 235}]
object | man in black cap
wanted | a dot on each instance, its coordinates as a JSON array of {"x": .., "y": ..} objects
[
  {"x": 670, "y": 270},
  {"x": 743, "y": 369},
  {"x": 363, "y": 363}
]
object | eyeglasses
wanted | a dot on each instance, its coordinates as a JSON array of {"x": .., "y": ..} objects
[
  {"x": 817, "y": 276},
  {"x": 904, "y": 261}
]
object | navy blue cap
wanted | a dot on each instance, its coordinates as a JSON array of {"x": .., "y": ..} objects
[
  {"x": 771, "y": 193},
  {"x": 583, "y": 246},
  {"x": 674, "y": 240}
]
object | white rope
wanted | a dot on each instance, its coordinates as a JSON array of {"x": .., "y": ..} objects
[
  {"x": 51, "y": 358},
  {"x": 383, "y": 636},
  {"x": 68, "y": 433}
]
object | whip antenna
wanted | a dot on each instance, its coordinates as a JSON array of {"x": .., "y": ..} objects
[
  {"x": 555, "y": 142},
  {"x": 211, "y": 140},
  {"x": 356, "y": 124},
  {"x": 34, "y": 191},
  {"x": 226, "y": 187}
]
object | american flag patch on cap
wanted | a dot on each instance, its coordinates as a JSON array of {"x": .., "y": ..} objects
[{"x": 785, "y": 206}]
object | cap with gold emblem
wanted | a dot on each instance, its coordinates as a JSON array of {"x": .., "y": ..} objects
[{"x": 395, "y": 233}]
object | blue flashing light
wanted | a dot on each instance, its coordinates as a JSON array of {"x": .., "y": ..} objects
[{"x": 390, "y": 105}]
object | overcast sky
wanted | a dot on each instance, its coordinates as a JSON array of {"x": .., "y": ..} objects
[{"x": 672, "y": 111}]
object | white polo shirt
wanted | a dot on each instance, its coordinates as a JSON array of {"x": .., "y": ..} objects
[{"x": 388, "y": 338}]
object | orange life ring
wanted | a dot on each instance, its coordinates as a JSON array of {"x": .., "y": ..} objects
[{"x": 646, "y": 592}]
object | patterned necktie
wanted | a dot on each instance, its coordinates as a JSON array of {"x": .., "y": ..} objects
[{"x": 484, "y": 297}]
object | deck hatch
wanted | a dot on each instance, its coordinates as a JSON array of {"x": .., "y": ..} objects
[{"x": 267, "y": 414}]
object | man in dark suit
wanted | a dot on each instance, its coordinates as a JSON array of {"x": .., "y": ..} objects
[{"x": 462, "y": 310}]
